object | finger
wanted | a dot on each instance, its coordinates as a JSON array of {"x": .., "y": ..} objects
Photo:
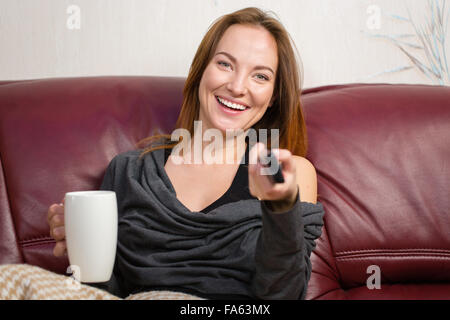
[
  {"x": 284, "y": 156},
  {"x": 60, "y": 249},
  {"x": 257, "y": 186},
  {"x": 57, "y": 221},
  {"x": 265, "y": 190},
  {"x": 59, "y": 233},
  {"x": 264, "y": 166},
  {"x": 256, "y": 182},
  {"x": 261, "y": 186},
  {"x": 54, "y": 209},
  {"x": 253, "y": 160},
  {"x": 263, "y": 161}
]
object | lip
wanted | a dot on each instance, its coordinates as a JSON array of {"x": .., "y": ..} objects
[{"x": 233, "y": 101}]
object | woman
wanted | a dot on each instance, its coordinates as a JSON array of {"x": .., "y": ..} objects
[{"x": 241, "y": 236}]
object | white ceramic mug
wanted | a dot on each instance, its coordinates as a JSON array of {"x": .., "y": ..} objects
[{"x": 90, "y": 219}]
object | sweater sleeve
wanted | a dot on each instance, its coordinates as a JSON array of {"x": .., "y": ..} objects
[
  {"x": 113, "y": 286},
  {"x": 283, "y": 250}
]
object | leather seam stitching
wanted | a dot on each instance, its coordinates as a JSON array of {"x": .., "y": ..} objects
[
  {"x": 392, "y": 250},
  {"x": 42, "y": 238},
  {"x": 443, "y": 257},
  {"x": 32, "y": 244}
]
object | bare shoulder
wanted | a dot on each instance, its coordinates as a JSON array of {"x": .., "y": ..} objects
[
  {"x": 304, "y": 164},
  {"x": 306, "y": 179}
]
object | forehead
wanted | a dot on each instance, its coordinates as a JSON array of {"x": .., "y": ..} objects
[{"x": 250, "y": 43}]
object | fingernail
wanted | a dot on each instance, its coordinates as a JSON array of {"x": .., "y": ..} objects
[{"x": 276, "y": 152}]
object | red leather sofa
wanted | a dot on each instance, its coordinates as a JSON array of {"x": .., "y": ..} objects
[{"x": 382, "y": 155}]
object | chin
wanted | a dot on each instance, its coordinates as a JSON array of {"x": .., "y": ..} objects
[{"x": 224, "y": 129}]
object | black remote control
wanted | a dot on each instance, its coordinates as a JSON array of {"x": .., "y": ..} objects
[{"x": 277, "y": 176}]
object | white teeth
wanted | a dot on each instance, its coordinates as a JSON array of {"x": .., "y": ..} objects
[{"x": 232, "y": 105}]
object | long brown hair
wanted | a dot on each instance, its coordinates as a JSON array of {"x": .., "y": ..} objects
[{"x": 286, "y": 113}]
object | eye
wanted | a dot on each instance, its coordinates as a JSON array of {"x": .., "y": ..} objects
[
  {"x": 223, "y": 63},
  {"x": 262, "y": 77}
]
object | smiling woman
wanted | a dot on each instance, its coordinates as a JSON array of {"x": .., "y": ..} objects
[{"x": 240, "y": 234}]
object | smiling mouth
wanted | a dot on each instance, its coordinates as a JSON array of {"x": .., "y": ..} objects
[{"x": 230, "y": 105}]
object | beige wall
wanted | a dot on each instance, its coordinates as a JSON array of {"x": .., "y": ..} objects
[{"x": 336, "y": 38}]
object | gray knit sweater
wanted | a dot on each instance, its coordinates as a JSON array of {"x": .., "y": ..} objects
[{"x": 238, "y": 250}]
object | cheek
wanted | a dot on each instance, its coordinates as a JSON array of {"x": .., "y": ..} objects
[
  {"x": 263, "y": 96},
  {"x": 204, "y": 87},
  {"x": 212, "y": 79}
]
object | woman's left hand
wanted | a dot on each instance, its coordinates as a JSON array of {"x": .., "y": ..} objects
[{"x": 281, "y": 196}]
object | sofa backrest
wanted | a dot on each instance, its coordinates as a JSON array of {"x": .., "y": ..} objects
[
  {"x": 382, "y": 154},
  {"x": 58, "y": 135}
]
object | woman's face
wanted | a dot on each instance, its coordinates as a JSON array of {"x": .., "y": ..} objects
[{"x": 242, "y": 75}]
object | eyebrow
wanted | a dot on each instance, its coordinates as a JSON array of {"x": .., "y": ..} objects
[{"x": 234, "y": 61}]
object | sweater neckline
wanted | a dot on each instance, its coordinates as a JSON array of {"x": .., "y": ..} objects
[{"x": 163, "y": 154}]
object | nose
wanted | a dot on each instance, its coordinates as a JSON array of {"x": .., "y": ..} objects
[{"x": 237, "y": 84}]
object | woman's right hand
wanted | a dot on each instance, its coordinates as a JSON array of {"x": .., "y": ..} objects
[{"x": 55, "y": 218}]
